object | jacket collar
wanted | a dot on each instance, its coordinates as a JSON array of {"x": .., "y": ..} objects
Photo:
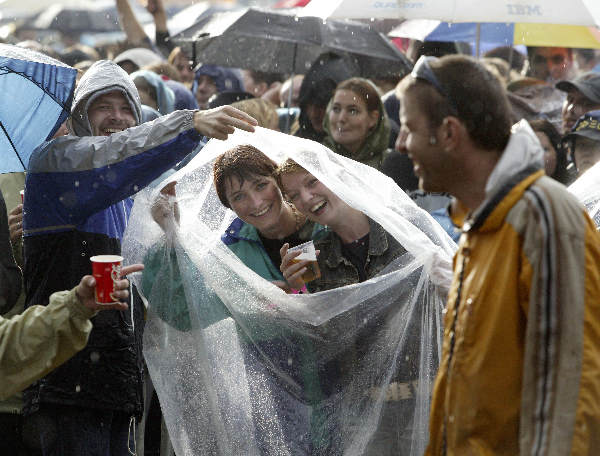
[{"x": 378, "y": 244}]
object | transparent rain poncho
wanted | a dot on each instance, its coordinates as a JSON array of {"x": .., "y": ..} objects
[
  {"x": 587, "y": 189},
  {"x": 261, "y": 372}
]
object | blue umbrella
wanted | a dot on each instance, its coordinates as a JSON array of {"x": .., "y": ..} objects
[{"x": 36, "y": 93}]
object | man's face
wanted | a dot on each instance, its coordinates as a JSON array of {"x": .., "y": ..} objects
[
  {"x": 207, "y": 87},
  {"x": 575, "y": 105},
  {"x": 420, "y": 142},
  {"x": 550, "y": 63},
  {"x": 586, "y": 153},
  {"x": 110, "y": 113}
]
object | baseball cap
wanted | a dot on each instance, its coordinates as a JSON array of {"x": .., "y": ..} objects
[
  {"x": 588, "y": 125},
  {"x": 587, "y": 83}
]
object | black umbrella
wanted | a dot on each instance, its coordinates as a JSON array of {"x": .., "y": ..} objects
[
  {"x": 76, "y": 20},
  {"x": 281, "y": 42}
]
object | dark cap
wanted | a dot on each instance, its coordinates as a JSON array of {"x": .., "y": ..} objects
[
  {"x": 588, "y": 125},
  {"x": 587, "y": 83}
]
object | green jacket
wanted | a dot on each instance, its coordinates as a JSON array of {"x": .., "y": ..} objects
[{"x": 375, "y": 147}]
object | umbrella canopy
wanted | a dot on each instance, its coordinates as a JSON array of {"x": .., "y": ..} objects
[
  {"x": 574, "y": 12},
  {"x": 352, "y": 9},
  {"x": 36, "y": 99},
  {"x": 493, "y": 34},
  {"x": 281, "y": 42},
  {"x": 71, "y": 20}
]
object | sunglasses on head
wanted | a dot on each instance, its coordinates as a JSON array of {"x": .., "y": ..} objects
[{"x": 422, "y": 70}]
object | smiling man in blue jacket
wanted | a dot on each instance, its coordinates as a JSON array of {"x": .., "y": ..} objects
[{"x": 77, "y": 203}]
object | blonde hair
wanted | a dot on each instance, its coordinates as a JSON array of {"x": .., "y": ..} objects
[{"x": 262, "y": 110}]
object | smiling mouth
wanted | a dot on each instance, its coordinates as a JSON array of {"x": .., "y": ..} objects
[
  {"x": 110, "y": 131},
  {"x": 261, "y": 213},
  {"x": 317, "y": 207}
]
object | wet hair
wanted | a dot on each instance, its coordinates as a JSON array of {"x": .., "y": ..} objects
[
  {"x": 289, "y": 166},
  {"x": 241, "y": 162},
  {"x": 164, "y": 68},
  {"x": 474, "y": 96},
  {"x": 262, "y": 76},
  {"x": 365, "y": 89},
  {"x": 545, "y": 126}
]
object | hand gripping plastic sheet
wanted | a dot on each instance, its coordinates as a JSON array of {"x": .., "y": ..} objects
[
  {"x": 250, "y": 370},
  {"x": 587, "y": 189}
]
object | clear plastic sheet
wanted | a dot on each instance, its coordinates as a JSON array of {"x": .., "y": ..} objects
[
  {"x": 587, "y": 189},
  {"x": 259, "y": 372}
]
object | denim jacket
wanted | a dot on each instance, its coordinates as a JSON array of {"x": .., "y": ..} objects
[{"x": 338, "y": 271}]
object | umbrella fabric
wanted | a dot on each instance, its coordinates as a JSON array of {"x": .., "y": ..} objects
[
  {"x": 281, "y": 42},
  {"x": 70, "y": 20},
  {"x": 352, "y": 9},
  {"x": 36, "y": 98},
  {"x": 574, "y": 12},
  {"x": 494, "y": 34}
]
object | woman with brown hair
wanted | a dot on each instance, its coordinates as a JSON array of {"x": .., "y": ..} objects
[{"x": 356, "y": 123}]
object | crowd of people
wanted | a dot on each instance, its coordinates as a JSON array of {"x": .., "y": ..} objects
[{"x": 455, "y": 307}]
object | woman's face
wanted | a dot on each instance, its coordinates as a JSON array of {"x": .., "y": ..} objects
[
  {"x": 256, "y": 201},
  {"x": 313, "y": 199},
  {"x": 349, "y": 120},
  {"x": 549, "y": 153}
]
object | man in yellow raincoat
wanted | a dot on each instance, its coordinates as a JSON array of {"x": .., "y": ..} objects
[{"x": 520, "y": 369}]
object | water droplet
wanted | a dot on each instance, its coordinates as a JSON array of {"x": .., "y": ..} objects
[
  {"x": 77, "y": 389},
  {"x": 296, "y": 18},
  {"x": 83, "y": 242},
  {"x": 94, "y": 357},
  {"x": 451, "y": 418},
  {"x": 407, "y": 358},
  {"x": 289, "y": 361},
  {"x": 135, "y": 188},
  {"x": 76, "y": 183},
  {"x": 82, "y": 254}
]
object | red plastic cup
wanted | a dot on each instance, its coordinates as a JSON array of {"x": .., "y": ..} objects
[{"x": 106, "y": 270}]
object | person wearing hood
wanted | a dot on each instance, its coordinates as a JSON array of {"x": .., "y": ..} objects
[
  {"x": 521, "y": 349},
  {"x": 77, "y": 205},
  {"x": 153, "y": 91},
  {"x": 356, "y": 124},
  {"x": 212, "y": 79},
  {"x": 317, "y": 87}
]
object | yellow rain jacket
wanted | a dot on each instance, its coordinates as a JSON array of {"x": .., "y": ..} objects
[
  {"x": 520, "y": 370},
  {"x": 40, "y": 339}
]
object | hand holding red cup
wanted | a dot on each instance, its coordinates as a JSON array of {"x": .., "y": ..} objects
[{"x": 106, "y": 269}]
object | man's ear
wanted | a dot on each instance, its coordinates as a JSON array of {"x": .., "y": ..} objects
[{"x": 451, "y": 132}]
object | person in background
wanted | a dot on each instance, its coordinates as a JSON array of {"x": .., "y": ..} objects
[
  {"x": 355, "y": 123},
  {"x": 212, "y": 79},
  {"x": 521, "y": 346},
  {"x": 153, "y": 91},
  {"x": 184, "y": 65},
  {"x": 584, "y": 141},
  {"x": 258, "y": 83},
  {"x": 583, "y": 95},
  {"x": 555, "y": 155},
  {"x": 550, "y": 64},
  {"x": 262, "y": 110}
]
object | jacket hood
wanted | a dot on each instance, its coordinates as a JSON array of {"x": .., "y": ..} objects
[
  {"x": 104, "y": 76},
  {"x": 522, "y": 152},
  {"x": 375, "y": 144},
  {"x": 226, "y": 79},
  {"x": 165, "y": 98},
  {"x": 318, "y": 85}
]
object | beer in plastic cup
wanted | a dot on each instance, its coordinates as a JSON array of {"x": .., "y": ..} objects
[
  {"x": 308, "y": 253},
  {"x": 106, "y": 269}
]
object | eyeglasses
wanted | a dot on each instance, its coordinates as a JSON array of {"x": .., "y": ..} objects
[{"x": 422, "y": 70}]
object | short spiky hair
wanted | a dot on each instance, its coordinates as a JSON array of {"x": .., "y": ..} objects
[{"x": 241, "y": 162}]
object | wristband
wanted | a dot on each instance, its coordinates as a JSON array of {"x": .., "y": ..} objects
[{"x": 300, "y": 291}]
